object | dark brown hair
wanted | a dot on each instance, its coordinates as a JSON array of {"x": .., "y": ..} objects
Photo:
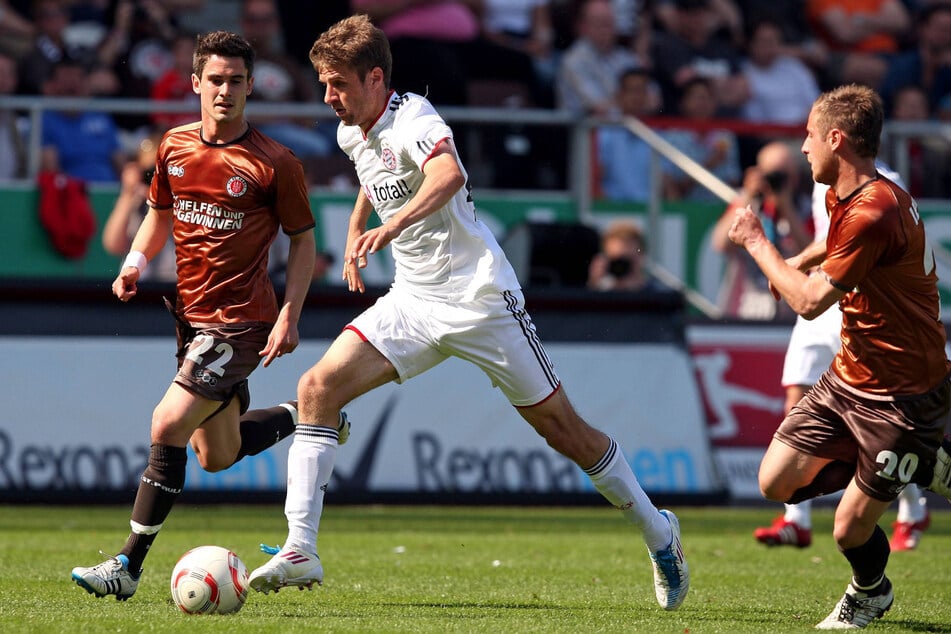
[{"x": 223, "y": 44}]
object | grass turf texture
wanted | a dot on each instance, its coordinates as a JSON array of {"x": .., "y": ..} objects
[{"x": 448, "y": 569}]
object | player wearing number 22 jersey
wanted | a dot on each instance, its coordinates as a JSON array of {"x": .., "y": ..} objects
[{"x": 228, "y": 201}]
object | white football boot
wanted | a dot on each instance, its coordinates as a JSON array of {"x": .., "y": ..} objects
[
  {"x": 110, "y": 577},
  {"x": 289, "y": 567}
]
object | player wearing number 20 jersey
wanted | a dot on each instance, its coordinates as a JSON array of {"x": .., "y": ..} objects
[
  {"x": 892, "y": 336},
  {"x": 228, "y": 202}
]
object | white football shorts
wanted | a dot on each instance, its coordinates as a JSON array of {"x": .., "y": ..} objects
[
  {"x": 812, "y": 346},
  {"x": 494, "y": 332}
]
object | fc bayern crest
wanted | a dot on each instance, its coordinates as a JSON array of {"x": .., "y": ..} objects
[
  {"x": 237, "y": 186},
  {"x": 389, "y": 159}
]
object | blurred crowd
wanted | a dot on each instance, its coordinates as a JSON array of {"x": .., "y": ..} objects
[{"x": 699, "y": 60}]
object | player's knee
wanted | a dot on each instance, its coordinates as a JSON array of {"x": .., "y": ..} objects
[
  {"x": 773, "y": 490},
  {"x": 167, "y": 430},
  {"x": 314, "y": 384}
]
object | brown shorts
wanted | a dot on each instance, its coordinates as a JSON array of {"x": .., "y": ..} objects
[
  {"x": 891, "y": 442},
  {"x": 215, "y": 362}
]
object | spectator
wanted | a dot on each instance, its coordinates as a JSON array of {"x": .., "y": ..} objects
[
  {"x": 633, "y": 23},
  {"x": 861, "y": 37},
  {"x": 16, "y": 32},
  {"x": 620, "y": 265},
  {"x": 438, "y": 47},
  {"x": 772, "y": 187},
  {"x": 726, "y": 18},
  {"x": 130, "y": 209},
  {"x": 799, "y": 40},
  {"x": 301, "y": 20},
  {"x": 279, "y": 78},
  {"x": 928, "y": 156},
  {"x": 590, "y": 68},
  {"x": 624, "y": 159},
  {"x": 526, "y": 26},
  {"x": 82, "y": 144},
  {"x": 147, "y": 55},
  {"x": 782, "y": 88},
  {"x": 692, "y": 49},
  {"x": 50, "y": 46},
  {"x": 12, "y": 143},
  {"x": 716, "y": 149},
  {"x": 91, "y": 27},
  {"x": 928, "y": 63},
  {"x": 176, "y": 84}
]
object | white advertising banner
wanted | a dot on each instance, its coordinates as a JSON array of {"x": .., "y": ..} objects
[{"x": 79, "y": 408}]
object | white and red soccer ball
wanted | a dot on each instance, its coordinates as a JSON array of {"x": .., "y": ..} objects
[{"x": 209, "y": 580}]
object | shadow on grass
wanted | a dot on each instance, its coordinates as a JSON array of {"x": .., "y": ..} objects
[
  {"x": 476, "y": 605},
  {"x": 915, "y": 626},
  {"x": 757, "y": 618}
]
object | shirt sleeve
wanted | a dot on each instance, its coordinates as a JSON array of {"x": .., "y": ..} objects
[{"x": 292, "y": 201}]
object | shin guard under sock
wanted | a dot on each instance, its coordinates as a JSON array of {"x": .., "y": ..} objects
[
  {"x": 159, "y": 487},
  {"x": 869, "y": 560},
  {"x": 263, "y": 428}
]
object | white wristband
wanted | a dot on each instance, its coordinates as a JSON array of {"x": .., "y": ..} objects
[{"x": 136, "y": 259}]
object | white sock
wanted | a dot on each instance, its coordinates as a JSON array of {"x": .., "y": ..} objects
[
  {"x": 613, "y": 478},
  {"x": 911, "y": 505},
  {"x": 310, "y": 461},
  {"x": 800, "y": 514}
]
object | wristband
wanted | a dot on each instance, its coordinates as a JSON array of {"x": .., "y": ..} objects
[{"x": 136, "y": 259}]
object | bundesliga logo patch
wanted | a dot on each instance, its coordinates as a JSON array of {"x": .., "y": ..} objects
[{"x": 236, "y": 186}]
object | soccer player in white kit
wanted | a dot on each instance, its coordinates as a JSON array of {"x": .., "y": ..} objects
[
  {"x": 454, "y": 294},
  {"x": 812, "y": 346}
]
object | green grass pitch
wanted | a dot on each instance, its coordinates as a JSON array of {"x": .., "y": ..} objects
[{"x": 453, "y": 569}]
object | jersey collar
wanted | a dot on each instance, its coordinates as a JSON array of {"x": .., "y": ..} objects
[{"x": 379, "y": 117}]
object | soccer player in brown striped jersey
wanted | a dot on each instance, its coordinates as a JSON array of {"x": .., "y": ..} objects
[
  {"x": 875, "y": 420},
  {"x": 222, "y": 190}
]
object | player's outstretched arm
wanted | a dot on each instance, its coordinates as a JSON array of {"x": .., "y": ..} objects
[{"x": 807, "y": 295}]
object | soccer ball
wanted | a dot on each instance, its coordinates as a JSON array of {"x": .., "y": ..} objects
[{"x": 209, "y": 580}]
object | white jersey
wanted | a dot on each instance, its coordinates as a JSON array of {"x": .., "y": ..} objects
[{"x": 448, "y": 256}]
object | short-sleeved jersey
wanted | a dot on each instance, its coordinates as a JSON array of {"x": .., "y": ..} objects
[
  {"x": 450, "y": 255},
  {"x": 892, "y": 336},
  {"x": 228, "y": 201}
]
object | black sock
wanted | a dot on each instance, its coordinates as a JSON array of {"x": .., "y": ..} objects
[
  {"x": 159, "y": 487},
  {"x": 869, "y": 560},
  {"x": 263, "y": 428},
  {"x": 833, "y": 477}
]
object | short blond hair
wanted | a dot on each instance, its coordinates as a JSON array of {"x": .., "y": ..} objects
[
  {"x": 857, "y": 111},
  {"x": 355, "y": 43}
]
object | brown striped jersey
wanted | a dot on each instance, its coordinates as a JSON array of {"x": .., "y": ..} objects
[
  {"x": 893, "y": 341},
  {"x": 228, "y": 202}
]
